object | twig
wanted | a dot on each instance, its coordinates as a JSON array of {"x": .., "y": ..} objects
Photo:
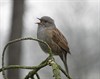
[
  {"x": 18, "y": 67},
  {"x": 64, "y": 72},
  {"x": 38, "y": 77}
]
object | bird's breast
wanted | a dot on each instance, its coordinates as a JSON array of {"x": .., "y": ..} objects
[{"x": 42, "y": 34}]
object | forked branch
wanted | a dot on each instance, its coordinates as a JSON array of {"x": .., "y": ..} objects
[{"x": 49, "y": 61}]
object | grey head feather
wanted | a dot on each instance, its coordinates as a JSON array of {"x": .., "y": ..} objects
[{"x": 46, "y": 21}]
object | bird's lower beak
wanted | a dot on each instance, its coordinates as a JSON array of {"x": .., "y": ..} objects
[{"x": 37, "y": 23}]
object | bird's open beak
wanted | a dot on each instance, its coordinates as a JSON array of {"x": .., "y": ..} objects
[{"x": 38, "y": 22}]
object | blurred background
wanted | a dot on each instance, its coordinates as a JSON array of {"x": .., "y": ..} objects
[{"x": 78, "y": 20}]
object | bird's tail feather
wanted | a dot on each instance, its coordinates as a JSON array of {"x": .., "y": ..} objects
[{"x": 64, "y": 59}]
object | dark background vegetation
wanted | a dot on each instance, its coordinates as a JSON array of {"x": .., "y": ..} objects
[{"x": 78, "y": 20}]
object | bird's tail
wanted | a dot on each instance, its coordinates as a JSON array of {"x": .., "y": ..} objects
[{"x": 64, "y": 59}]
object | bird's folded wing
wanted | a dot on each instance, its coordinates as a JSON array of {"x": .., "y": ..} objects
[{"x": 59, "y": 39}]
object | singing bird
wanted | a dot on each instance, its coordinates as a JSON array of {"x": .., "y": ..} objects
[{"x": 48, "y": 32}]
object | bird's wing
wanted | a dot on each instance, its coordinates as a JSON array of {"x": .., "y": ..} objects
[{"x": 59, "y": 39}]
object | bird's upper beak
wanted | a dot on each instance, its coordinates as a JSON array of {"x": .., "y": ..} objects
[
  {"x": 38, "y": 18},
  {"x": 38, "y": 22}
]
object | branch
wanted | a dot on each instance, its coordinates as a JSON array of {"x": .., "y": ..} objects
[
  {"x": 49, "y": 61},
  {"x": 17, "y": 40},
  {"x": 34, "y": 71},
  {"x": 55, "y": 69}
]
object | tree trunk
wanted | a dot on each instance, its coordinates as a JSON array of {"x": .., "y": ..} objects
[{"x": 14, "y": 51}]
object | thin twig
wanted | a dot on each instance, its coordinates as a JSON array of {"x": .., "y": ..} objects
[
  {"x": 38, "y": 77},
  {"x": 18, "y": 67}
]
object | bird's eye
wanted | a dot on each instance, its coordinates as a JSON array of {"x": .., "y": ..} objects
[{"x": 45, "y": 21}]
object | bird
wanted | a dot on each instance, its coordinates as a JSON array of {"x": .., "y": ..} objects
[{"x": 48, "y": 32}]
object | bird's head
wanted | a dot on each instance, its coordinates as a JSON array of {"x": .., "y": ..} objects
[{"x": 46, "y": 21}]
